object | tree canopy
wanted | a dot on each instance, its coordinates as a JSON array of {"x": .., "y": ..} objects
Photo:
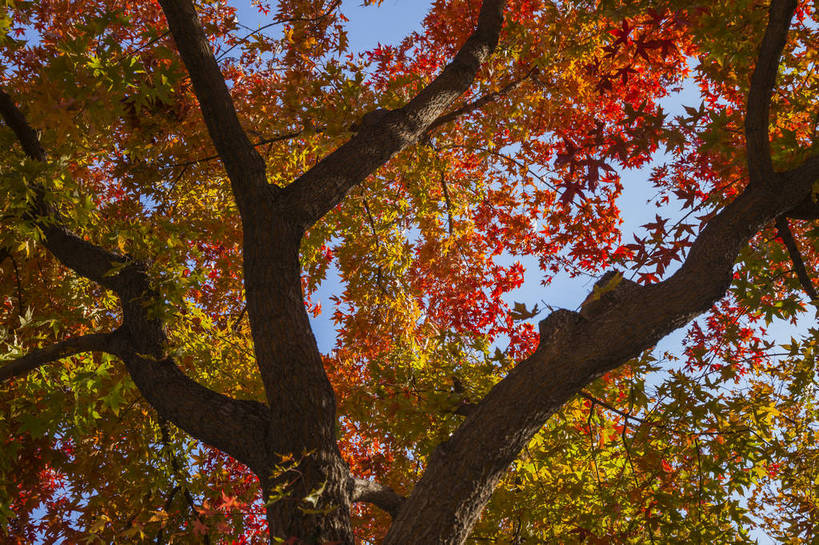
[{"x": 176, "y": 186}]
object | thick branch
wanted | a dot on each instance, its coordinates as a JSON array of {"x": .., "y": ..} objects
[
  {"x": 96, "y": 342},
  {"x": 285, "y": 348},
  {"x": 237, "y": 427},
  {"x": 808, "y": 209},
  {"x": 377, "y": 494},
  {"x": 87, "y": 259},
  {"x": 573, "y": 351},
  {"x": 243, "y": 163},
  {"x": 796, "y": 258},
  {"x": 381, "y": 136},
  {"x": 763, "y": 79}
]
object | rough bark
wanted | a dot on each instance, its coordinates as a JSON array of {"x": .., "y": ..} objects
[
  {"x": 575, "y": 349},
  {"x": 273, "y": 223},
  {"x": 380, "y": 137},
  {"x": 299, "y": 418},
  {"x": 377, "y": 494},
  {"x": 758, "y": 147},
  {"x": 234, "y": 426}
]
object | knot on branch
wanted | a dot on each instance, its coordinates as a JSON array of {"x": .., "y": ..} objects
[
  {"x": 555, "y": 324},
  {"x": 370, "y": 119},
  {"x": 610, "y": 290}
]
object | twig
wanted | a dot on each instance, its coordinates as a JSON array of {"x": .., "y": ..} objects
[
  {"x": 796, "y": 258},
  {"x": 448, "y": 203},
  {"x": 479, "y": 102},
  {"x": 177, "y": 471},
  {"x": 245, "y": 38},
  {"x": 378, "y": 279},
  {"x": 262, "y": 142},
  {"x": 239, "y": 318}
]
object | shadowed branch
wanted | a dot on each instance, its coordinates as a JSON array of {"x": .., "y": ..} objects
[{"x": 95, "y": 342}]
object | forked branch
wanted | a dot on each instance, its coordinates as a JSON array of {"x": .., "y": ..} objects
[
  {"x": 575, "y": 349},
  {"x": 241, "y": 425},
  {"x": 380, "y": 137}
]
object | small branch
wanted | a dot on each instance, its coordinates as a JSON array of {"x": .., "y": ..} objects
[
  {"x": 96, "y": 342},
  {"x": 245, "y": 38},
  {"x": 20, "y": 304},
  {"x": 6, "y": 254},
  {"x": 796, "y": 258},
  {"x": 478, "y": 103},
  {"x": 262, "y": 142},
  {"x": 379, "y": 276},
  {"x": 149, "y": 43},
  {"x": 176, "y": 466},
  {"x": 235, "y": 326},
  {"x": 448, "y": 203},
  {"x": 763, "y": 80},
  {"x": 508, "y": 158},
  {"x": 160, "y": 536},
  {"x": 383, "y": 497},
  {"x": 625, "y": 415}
]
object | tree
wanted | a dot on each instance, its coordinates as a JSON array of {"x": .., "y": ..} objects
[{"x": 160, "y": 258}]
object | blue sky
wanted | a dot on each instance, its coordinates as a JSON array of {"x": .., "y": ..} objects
[{"x": 389, "y": 24}]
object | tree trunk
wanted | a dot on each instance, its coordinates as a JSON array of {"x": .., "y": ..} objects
[{"x": 308, "y": 500}]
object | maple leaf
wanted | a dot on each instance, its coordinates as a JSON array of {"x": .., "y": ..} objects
[
  {"x": 170, "y": 224},
  {"x": 520, "y": 312}
]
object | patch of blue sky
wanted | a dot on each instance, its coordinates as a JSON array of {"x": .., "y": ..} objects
[
  {"x": 637, "y": 209},
  {"x": 368, "y": 26},
  {"x": 390, "y": 23}
]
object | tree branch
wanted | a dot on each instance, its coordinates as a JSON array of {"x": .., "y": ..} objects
[
  {"x": 573, "y": 351},
  {"x": 16, "y": 121},
  {"x": 6, "y": 254},
  {"x": 763, "y": 79},
  {"x": 377, "y": 494},
  {"x": 796, "y": 258},
  {"x": 95, "y": 342},
  {"x": 254, "y": 32},
  {"x": 244, "y": 165},
  {"x": 383, "y": 135},
  {"x": 478, "y": 103},
  {"x": 240, "y": 428},
  {"x": 262, "y": 142}
]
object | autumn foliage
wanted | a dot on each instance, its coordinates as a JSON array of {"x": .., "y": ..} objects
[{"x": 518, "y": 180}]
